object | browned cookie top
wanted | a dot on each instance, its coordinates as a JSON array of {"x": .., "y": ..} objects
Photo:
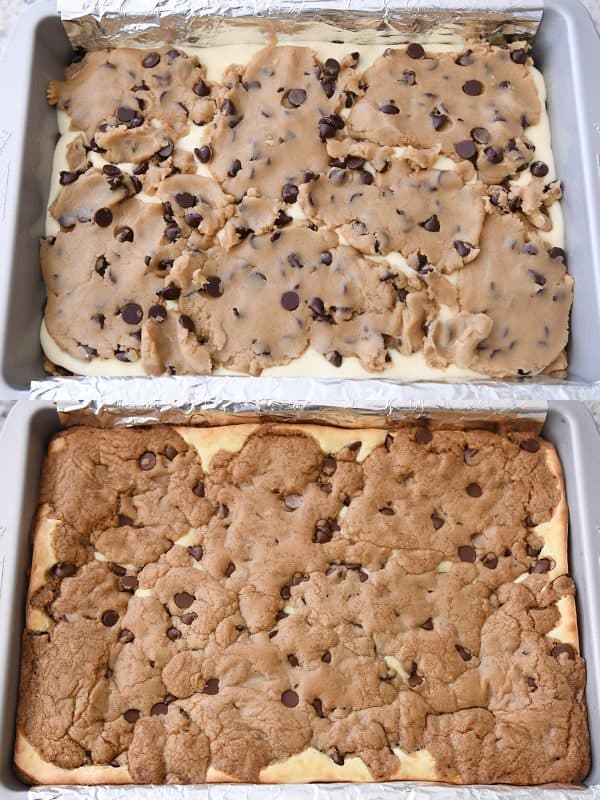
[{"x": 323, "y": 599}]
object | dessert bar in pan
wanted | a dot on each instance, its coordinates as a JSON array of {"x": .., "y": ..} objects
[
  {"x": 294, "y": 603},
  {"x": 318, "y": 210}
]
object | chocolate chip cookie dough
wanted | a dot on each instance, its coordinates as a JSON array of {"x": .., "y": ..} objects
[
  {"x": 312, "y": 210},
  {"x": 273, "y": 603}
]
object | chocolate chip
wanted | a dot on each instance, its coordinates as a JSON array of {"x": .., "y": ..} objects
[
  {"x": 365, "y": 177},
  {"x": 328, "y": 466},
  {"x": 480, "y": 135},
  {"x": 557, "y": 253},
  {"x": 198, "y": 489},
  {"x": 326, "y": 657},
  {"x": 317, "y": 306},
  {"x": 103, "y": 217},
  {"x": 532, "y": 683},
  {"x": 462, "y": 248},
  {"x": 436, "y": 521},
  {"x": 132, "y": 314},
  {"x": 472, "y": 88},
  {"x": 337, "y": 757},
  {"x": 389, "y": 441},
  {"x": 200, "y": 88},
  {"x": 519, "y": 56},
  {"x": 124, "y": 234},
  {"x": 326, "y": 129},
  {"x": 387, "y": 511},
  {"x": 235, "y": 167},
  {"x": 466, "y": 553},
  {"x": 290, "y": 301},
  {"x": 533, "y": 552},
  {"x": 213, "y": 286},
  {"x": 184, "y": 599},
  {"x": 172, "y": 232},
  {"x": 335, "y": 358},
  {"x": 158, "y": 709},
  {"x": 474, "y": 490},
  {"x": 493, "y": 154},
  {"x": 289, "y": 698},
  {"x": 64, "y": 569},
  {"x": 166, "y": 150},
  {"x": 185, "y": 199},
  {"x": 126, "y": 636},
  {"x": 326, "y": 258},
  {"x": 170, "y": 452},
  {"x": 328, "y": 86},
  {"x": 150, "y": 60},
  {"x": 170, "y": 292},
  {"x": 157, "y": 313},
  {"x": 415, "y": 51},
  {"x": 414, "y": 680},
  {"x": 110, "y": 618},
  {"x": 332, "y": 67},
  {"x": 196, "y": 551},
  {"x": 193, "y": 219},
  {"x": 118, "y": 569},
  {"x": 438, "y": 120},
  {"x": 466, "y": 148},
  {"x": 318, "y": 707},
  {"x": 423, "y": 436},
  {"x": 541, "y": 566},
  {"x": 66, "y": 178},
  {"x": 295, "y": 97},
  {"x": 289, "y": 193},
  {"x": 427, "y": 625},
  {"x": 187, "y": 323},
  {"x": 128, "y": 584},
  {"x": 354, "y": 447},
  {"x": 147, "y": 460},
  {"x": 281, "y": 220},
  {"x": 203, "y": 154},
  {"x": 530, "y": 445},
  {"x": 211, "y": 686},
  {"x": 463, "y": 652},
  {"x": 230, "y": 569},
  {"x": 292, "y": 501},
  {"x": 538, "y": 168},
  {"x": 188, "y": 618},
  {"x": 465, "y": 59},
  {"x": 125, "y": 114},
  {"x": 559, "y": 649},
  {"x": 132, "y": 715},
  {"x": 355, "y": 162},
  {"x": 389, "y": 108},
  {"x": 490, "y": 561}
]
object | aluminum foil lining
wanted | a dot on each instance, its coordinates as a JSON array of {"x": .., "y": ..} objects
[
  {"x": 214, "y": 400},
  {"x": 341, "y": 791},
  {"x": 96, "y": 24}
]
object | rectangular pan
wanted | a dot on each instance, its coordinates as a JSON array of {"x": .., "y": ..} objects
[
  {"x": 22, "y": 447},
  {"x": 567, "y": 50}
]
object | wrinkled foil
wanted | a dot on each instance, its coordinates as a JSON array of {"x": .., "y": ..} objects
[
  {"x": 340, "y": 791},
  {"x": 97, "y": 24},
  {"x": 219, "y": 400}
]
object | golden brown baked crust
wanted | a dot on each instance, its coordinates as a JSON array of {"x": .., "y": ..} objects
[{"x": 276, "y": 603}]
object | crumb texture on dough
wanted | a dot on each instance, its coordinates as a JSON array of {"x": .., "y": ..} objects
[
  {"x": 277, "y": 611},
  {"x": 366, "y": 214}
]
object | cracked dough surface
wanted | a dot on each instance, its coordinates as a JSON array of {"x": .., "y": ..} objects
[
  {"x": 176, "y": 190},
  {"x": 272, "y": 603}
]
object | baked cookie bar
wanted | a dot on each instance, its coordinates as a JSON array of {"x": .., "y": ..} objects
[
  {"x": 305, "y": 210},
  {"x": 276, "y": 603}
]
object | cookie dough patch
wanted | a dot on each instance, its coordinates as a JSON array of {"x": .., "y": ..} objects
[
  {"x": 432, "y": 214},
  {"x": 476, "y": 105},
  {"x": 516, "y": 321}
]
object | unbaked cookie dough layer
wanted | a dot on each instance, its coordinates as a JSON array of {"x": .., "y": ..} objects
[
  {"x": 294, "y": 603},
  {"x": 388, "y": 212}
]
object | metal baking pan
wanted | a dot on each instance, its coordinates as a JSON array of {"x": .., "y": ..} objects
[
  {"x": 22, "y": 447},
  {"x": 567, "y": 49}
]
